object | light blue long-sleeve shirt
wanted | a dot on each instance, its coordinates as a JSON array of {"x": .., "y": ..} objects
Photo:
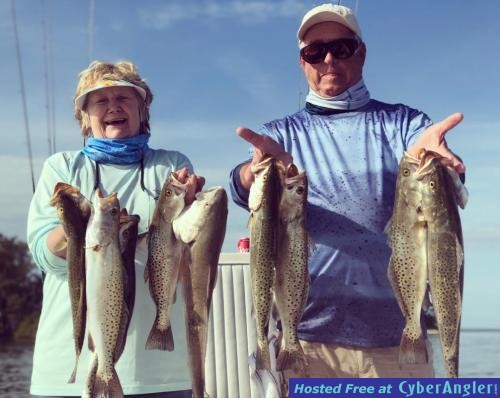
[
  {"x": 351, "y": 159},
  {"x": 140, "y": 371}
]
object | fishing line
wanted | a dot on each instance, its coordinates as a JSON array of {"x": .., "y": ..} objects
[
  {"x": 90, "y": 29},
  {"x": 46, "y": 77},
  {"x": 23, "y": 92}
]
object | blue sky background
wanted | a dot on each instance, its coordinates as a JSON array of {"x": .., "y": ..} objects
[{"x": 217, "y": 65}]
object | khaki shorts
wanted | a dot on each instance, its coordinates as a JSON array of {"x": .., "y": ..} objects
[{"x": 333, "y": 361}]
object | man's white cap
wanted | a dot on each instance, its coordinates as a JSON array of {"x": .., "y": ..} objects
[
  {"x": 80, "y": 100},
  {"x": 328, "y": 13}
]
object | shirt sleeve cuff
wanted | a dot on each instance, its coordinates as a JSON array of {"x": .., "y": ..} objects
[{"x": 238, "y": 192}]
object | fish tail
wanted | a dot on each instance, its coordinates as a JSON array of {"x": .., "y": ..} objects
[
  {"x": 110, "y": 389},
  {"x": 451, "y": 369},
  {"x": 292, "y": 359},
  {"x": 160, "y": 339},
  {"x": 73, "y": 374},
  {"x": 262, "y": 357},
  {"x": 412, "y": 350}
]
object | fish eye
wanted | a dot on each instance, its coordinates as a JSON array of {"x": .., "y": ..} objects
[
  {"x": 432, "y": 184},
  {"x": 168, "y": 192},
  {"x": 60, "y": 210},
  {"x": 300, "y": 190},
  {"x": 114, "y": 211},
  {"x": 406, "y": 172},
  {"x": 289, "y": 187}
]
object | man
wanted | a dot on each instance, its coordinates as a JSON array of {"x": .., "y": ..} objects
[{"x": 350, "y": 146}]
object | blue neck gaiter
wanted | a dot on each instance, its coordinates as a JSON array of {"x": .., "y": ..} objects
[{"x": 117, "y": 151}]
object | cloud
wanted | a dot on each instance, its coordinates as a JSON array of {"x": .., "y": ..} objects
[
  {"x": 249, "y": 11},
  {"x": 250, "y": 76}
]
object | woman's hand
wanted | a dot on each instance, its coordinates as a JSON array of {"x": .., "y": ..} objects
[
  {"x": 193, "y": 183},
  {"x": 57, "y": 242},
  {"x": 262, "y": 145},
  {"x": 432, "y": 139}
]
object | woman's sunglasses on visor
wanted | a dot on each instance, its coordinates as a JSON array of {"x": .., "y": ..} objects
[{"x": 339, "y": 48}]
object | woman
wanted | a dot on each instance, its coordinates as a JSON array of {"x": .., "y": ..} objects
[{"x": 112, "y": 107}]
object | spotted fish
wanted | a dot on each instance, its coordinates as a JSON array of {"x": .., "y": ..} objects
[
  {"x": 442, "y": 193},
  {"x": 263, "y": 203},
  {"x": 128, "y": 234},
  {"x": 201, "y": 228},
  {"x": 73, "y": 209},
  {"x": 292, "y": 276},
  {"x": 407, "y": 271},
  {"x": 162, "y": 268},
  {"x": 107, "y": 311}
]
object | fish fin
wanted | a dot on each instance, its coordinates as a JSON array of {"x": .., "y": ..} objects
[
  {"x": 250, "y": 222},
  {"x": 311, "y": 245},
  {"x": 88, "y": 390},
  {"x": 73, "y": 374},
  {"x": 91, "y": 343},
  {"x": 174, "y": 296},
  {"x": 275, "y": 313},
  {"x": 110, "y": 389},
  {"x": 412, "y": 351},
  {"x": 293, "y": 359},
  {"x": 387, "y": 231},
  {"x": 160, "y": 339},
  {"x": 461, "y": 192},
  {"x": 393, "y": 280},
  {"x": 262, "y": 358},
  {"x": 146, "y": 272},
  {"x": 122, "y": 334},
  {"x": 460, "y": 255}
]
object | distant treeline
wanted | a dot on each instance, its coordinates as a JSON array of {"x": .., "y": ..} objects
[{"x": 20, "y": 292}]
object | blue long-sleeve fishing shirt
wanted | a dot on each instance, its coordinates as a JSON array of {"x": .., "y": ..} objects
[{"x": 351, "y": 159}]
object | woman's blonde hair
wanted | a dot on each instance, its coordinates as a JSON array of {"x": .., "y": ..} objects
[{"x": 121, "y": 70}]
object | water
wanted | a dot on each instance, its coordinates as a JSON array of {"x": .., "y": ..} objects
[
  {"x": 479, "y": 357},
  {"x": 15, "y": 370}
]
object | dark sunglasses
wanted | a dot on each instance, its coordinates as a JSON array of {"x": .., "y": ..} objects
[{"x": 340, "y": 49}]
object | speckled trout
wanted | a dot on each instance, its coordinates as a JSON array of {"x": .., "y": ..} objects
[
  {"x": 292, "y": 275},
  {"x": 162, "y": 268},
  {"x": 128, "y": 233},
  {"x": 407, "y": 271},
  {"x": 442, "y": 192},
  {"x": 201, "y": 228},
  {"x": 73, "y": 209},
  {"x": 107, "y": 312},
  {"x": 263, "y": 203}
]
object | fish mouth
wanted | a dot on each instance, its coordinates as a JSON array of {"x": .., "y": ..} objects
[
  {"x": 291, "y": 171},
  {"x": 264, "y": 163},
  {"x": 177, "y": 185},
  {"x": 427, "y": 162},
  {"x": 62, "y": 188}
]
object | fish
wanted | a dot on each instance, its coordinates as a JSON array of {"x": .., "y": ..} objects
[
  {"x": 407, "y": 269},
  {"x": 128, "y": 234},
  {"x": 292, "y": 275},
  {"x": 73, "y": 210},
  {"x": 201, "y": 227},
  {"x": 441, "y": 197},
  {"x": 106, "y": 308},
  {"x": 164, "y": 259},
  {"x": 263, "y": 202}
]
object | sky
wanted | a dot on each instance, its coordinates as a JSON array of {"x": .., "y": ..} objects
[{"x": 216, "y": 65}]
